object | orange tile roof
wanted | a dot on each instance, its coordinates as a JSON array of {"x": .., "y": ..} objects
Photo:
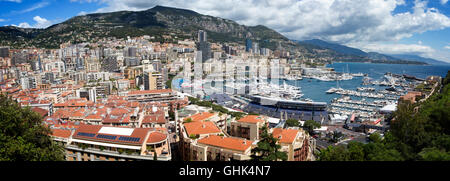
[
  {"x": 200, "y": 116},
  {"x": 137, "y": 133},
  {"x": 61, "y": 133},
  {"x": 160, "y": 119},
  {"x": 156, "y": 137},
  {"x": 119, "y": 111},
  {"x": 285, "y": 135},
  {"x": 226, "y": 142},
  {"x": 94, "y": 116},
  {"x": 251, "y": 119},
  {"x": 41, "y": 111},
  {"x": 201, "y": 128}
]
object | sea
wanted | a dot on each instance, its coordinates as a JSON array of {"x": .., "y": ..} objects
[{"x": 315, "y": 89}]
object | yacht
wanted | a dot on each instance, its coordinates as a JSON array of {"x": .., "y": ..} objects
[
  {"x": 358, "y": 74},
  {"x": 331, "y": 90}
]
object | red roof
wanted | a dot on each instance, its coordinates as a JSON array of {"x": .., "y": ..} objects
[
  {"x": 140, "y": 133},
  {"x": 156, "y": 137},
  {"x": 201, "y": 128},
  {"x": 200, "y": 116},
  {"x": 251, "y": 119},
  {"x": 226, "y": 142},
  {"x": 160, "y": 119},
  {"x": 285, "y": 135},
  {"x": 61, "y": 133},
  {"x": 42, "y": 112}
]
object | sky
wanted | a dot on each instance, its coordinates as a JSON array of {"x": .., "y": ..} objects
[{"x": 419, "y": 27}]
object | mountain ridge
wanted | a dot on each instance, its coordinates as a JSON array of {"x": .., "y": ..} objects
[
  {"x": 160, "y": 21},
  {"x": 342, "y": 49}
]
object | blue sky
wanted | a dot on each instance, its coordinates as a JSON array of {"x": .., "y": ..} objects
[{"x": 419, "y": 27}]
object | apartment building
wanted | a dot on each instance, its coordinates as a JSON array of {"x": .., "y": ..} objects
[
  {"x": 248, "y": 127},
  {"x": 295, "y": 142},
  {"x": 221, "y": 148},
  {"x": 163, "y": 96},
  {"x": 105, "y": 143}
]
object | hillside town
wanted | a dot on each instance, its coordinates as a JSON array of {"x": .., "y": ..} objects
[{"x": 112, "y": 100}]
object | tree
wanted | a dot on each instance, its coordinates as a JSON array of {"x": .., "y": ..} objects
[
  {"x": 292, "y": 122},
  {"x": 267, "y": 148},
  {"x": 336, "y": 136},
  {"x": 375, "y": 137},
  {"x": 23, "y": 137},
  {"x": 310, "y": 125},
  {"x": 188, "y": 120},
  {"x": 334, "y": 153},
  {"x": 417, "y": 132},
  {"x": 356, "y": 151},
  {"x": 434, "y": 154}
]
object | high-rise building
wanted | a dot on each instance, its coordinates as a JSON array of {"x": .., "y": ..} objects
[
  {"x": 4, "y": 52},
  {"x": 255, "y": 48},
  {"x": 132, "y": 51},
  {"x": 28, "y": 83},
  {"x": 248, "y": 45},
  {"x": 203, "y": 46},
  {"x": 153, "y": 81},
  {"x": 202, "y": 36},
  {"x": 1, "y": 75}
]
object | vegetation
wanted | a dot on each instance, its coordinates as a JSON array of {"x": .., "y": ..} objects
[
  {"x": 23, "y": 137},
  {"x": 194, "y": 136},
  {"x": 267, "y": 148},
  {"x": 292, "y": 122},
  {"x": 310, "y": 125},
  {"x": 218, "y": 108},
  {"x": 188, "y": 120},
  {"x": 421, "y": 135}
]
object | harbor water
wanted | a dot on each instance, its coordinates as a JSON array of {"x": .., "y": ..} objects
[{"x": 315, "y": 89}]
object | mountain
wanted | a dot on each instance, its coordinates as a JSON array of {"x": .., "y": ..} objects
[
  {"x": 157, "y": 22},
  {"x": 354, "y": 55},
  {"x": 336, "y": 47},
  {"x": 168, "y": 24},
  {"x": 420, "y": 59}
]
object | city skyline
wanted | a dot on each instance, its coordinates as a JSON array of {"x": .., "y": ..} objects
[{"x": 390, "y": 27}]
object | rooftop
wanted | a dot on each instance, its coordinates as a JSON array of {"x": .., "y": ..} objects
[
  {"x": 251, "y": 119},
  {"x": 200, "y": 116},
  {"x": 226, "y": 142},
  {"x": 112, "y": 134},
  {"x": 201, "y": 128},
  {"x": 285, "y": 135}
]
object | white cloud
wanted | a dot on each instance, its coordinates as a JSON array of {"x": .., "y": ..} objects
[
  {"x": 40, "y": 23},
  {"x": 35, "y": 6},
  {"x": 16, "y": 1},
  {"x": 342, "y": 21},
  {"x": 82, "y": 13},
  {"x": 444, "y": 2},
  {"x": 398, "y": 48},
  {"x": 24, "y": 25},
  {"x": 412, "y": 49}
]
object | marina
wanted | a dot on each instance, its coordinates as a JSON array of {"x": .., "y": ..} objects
[{"x": 361, "y": 93}]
